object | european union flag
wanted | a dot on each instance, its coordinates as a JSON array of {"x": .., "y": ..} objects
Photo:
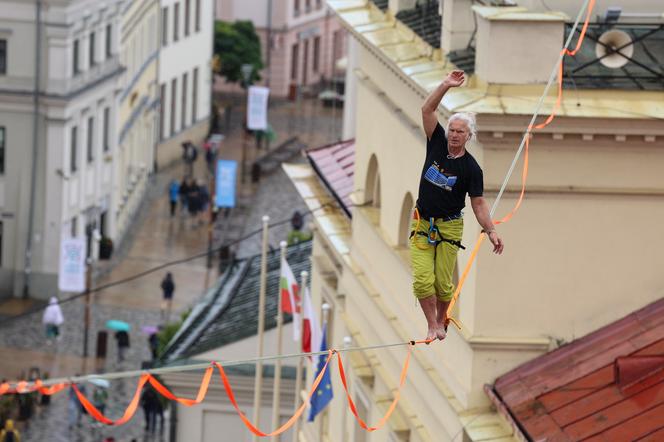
[{"x": 323, "y": 394}]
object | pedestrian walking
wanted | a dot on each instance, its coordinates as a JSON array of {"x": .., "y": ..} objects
[
  {"x": 99, "y": 398},
  {"x": 9, "y": 433},
  {"x": 153, "y": 342},
  {"x": 173, "y": 195},
  {"x": 185, "y": 187},
  {"x": 74, "y": 407},
  {"x": 150, "y": 404},
  {"x": 52, "y": 320},
  {"x": 122, "y": 338},
  {"x": 167, "y": 288}
]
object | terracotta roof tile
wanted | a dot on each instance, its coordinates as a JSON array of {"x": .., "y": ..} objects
[
  {"x": 335, "y": 165},
  {"x": 606, "y": 386}
]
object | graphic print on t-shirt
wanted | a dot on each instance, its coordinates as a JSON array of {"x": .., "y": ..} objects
[{"x": 438, "y": 178}]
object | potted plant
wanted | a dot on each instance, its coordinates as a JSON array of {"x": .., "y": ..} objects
[{"x": 105, "y": 248}]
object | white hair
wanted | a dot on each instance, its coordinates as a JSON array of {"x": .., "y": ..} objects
[{"x": 469, "y": 119}]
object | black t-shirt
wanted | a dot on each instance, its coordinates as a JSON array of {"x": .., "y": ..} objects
[{"x": 445, "y": 182}]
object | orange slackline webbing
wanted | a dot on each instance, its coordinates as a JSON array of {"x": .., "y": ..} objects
[
  {"x": 129, "y": 412},
  {"x": 524, "y": 173},
  {"x": 393, "y": 405},
  {"x": 21, "y": 387}
]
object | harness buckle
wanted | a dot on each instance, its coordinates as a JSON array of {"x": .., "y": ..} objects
[{"x": 432, "y": 236}]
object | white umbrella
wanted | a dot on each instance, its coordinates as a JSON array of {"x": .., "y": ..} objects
[{"x": 100, "y": 382}]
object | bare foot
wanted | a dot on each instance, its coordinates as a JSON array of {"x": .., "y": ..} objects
[
  {"x": 436, "y": 332},
  {"x": 432, "y": 334},
  {"x": 441, "y": 332}
]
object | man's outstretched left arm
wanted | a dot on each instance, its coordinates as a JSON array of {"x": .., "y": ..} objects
[{"x": 481, "y": 210}]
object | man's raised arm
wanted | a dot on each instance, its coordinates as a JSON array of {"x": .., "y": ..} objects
[{"x": 429, "y": 118}]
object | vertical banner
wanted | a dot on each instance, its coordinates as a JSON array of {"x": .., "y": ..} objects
[
  {"x": 257, "y": 107},
  {"x": 225, "y": 183},
  {"x": 71, "y": 277}
]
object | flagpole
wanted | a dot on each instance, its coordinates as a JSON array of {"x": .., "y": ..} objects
[
  {"x": 300, "y": 362},
  {"x": 276, "y": 398},
  {"x": 326, "y": 314},
  {"x": 258, "y": 384}
]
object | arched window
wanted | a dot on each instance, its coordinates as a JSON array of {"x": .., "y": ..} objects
[
  {"x": 372, "y": 184},
  {"x": 404, "y": 220}
]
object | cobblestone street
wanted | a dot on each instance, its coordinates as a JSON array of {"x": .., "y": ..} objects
[{"x": 155, "y": 239}]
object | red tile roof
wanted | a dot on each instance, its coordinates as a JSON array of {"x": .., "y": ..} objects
[
  {"x": 335, "y": 165},
  {"x": 606, "y": 386}
]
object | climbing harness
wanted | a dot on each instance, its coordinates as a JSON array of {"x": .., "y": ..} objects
[{"x": 433, "y": 233}]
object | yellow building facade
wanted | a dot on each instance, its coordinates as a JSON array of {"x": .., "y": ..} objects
[
  {"x": 581, "y": 252},
  {"x": 138, "y": 106}
]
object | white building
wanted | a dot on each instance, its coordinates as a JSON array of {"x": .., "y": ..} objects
[
  {"x": 59, "y": 183},
  {"x": 185, "y": 74},
  {"x": 138, "y": 108}
]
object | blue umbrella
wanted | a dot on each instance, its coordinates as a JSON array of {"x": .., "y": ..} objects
[{"x": 117, "y": 325}]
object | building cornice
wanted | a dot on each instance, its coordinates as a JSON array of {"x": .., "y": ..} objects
[{"x": 419, "y": 66}]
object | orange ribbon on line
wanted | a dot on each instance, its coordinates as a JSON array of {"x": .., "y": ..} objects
[
  {"x": 130, "y": 411},
  {"x": 524, "y": 172}
]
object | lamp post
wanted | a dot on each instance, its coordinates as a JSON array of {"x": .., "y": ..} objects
[
  {"x": 247, "y": 71},
  {"x": 96, "y": 237}
]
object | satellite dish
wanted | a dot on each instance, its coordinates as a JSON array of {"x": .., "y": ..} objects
[{"x": 607, "y": 45}]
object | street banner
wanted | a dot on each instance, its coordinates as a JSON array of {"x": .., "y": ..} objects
[
  {"x": 71, "y": 277},
  {"x": 257, "y": 108},
  {"x": 225, "y": 183}
]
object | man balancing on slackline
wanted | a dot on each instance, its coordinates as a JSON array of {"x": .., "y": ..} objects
[{"x": 449, "y": 172}]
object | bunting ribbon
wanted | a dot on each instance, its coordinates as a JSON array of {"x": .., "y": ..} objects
[
  {"x": 130, "y": 411},
  {"x": 524, "y": 172}
]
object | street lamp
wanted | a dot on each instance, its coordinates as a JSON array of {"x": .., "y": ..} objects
[
  {"x": 95, "y": 237},
  {"x": 247, "y": 71}
]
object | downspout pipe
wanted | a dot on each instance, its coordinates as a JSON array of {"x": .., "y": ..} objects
[{"x": 27, "y": 269}]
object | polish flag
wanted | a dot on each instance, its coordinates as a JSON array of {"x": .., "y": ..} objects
[
  {"x": 289, "y": 296},
  {"x": 311, "y": 335}
]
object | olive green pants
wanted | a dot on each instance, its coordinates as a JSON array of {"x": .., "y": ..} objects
[{"x": 433, "y": 266}]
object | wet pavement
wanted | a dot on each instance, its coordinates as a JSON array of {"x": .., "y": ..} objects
[{"x": 156, "y": 239}]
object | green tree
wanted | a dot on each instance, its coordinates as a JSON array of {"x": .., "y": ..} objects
[{"x": 236, "y": 44}]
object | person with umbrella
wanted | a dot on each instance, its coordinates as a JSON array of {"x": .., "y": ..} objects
[
  {"x": 167, "y": 288},
  {"x": 52, "y": 320},
  {"x": 121, "y": 336},
  {"x": 100, "y": 395}
]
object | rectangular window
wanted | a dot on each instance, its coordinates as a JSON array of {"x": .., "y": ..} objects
[
  {"x": 92, "y": 49},
  {"x": 3, "y": 57},
  {"x": 305, "y": 64},
  {"x": 109, "y": 41},
  {"x": 176, "y": 22},
  {"x": 296, "y": 8},
  {"x": 162, "y": 112},
  {"x": 198, "y": 15},
  {"x": 72, "y": 153},
  {"x": 174, "y": 93},
  {"x": 1, "y": 231},
  {"x": 164, "y": 26},
  {"x": 74, "y": 227},
  {"x": 316, "y": 54},
  {"x": 75, "y": 64},
  {"x": 194, "y": 96},
  {"x": 187, "y": 16},
  {"x": 183, "y": 114},
  {"x": 107, "y": 122},
  {"x": 294, "y": 56},
  {"x": 2, "y": 150},
  {"x": 307, "y": 5},
  {"x": 91, "y": 139}
]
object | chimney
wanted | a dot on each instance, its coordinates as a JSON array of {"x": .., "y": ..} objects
[
  {"x": 395, "y": 6},
  {"x": 457, "y": 25},
  {"x": 515, "y": 46}
]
